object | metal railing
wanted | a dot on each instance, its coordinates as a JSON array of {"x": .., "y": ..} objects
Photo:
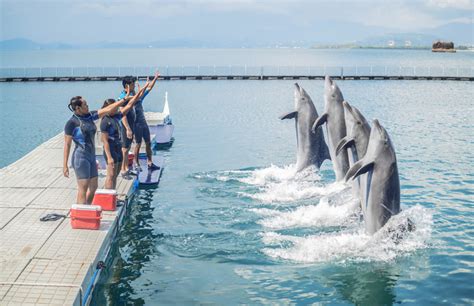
[{"x": 203, "y": 71}]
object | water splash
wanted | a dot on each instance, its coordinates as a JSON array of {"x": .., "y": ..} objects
[
  {"x": 324, "y": 214},
  {"x": 354, "y": 244},
  {"x": 283, "y": 184}
]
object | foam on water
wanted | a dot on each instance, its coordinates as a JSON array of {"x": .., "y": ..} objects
[
  {"x": 278, "y": 184},
  {"x": 324, "y": 214},
  {"x": 354, "y": 244}
]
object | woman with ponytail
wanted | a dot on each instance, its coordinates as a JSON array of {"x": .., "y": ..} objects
[{"x": 81, "y": 129}]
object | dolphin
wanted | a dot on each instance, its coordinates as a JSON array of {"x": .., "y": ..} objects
[
  {"x": 311, "y": 147},
  {"x": 356, "y": 141},
  {"x": 335, "y": 126},
  {"x": 382, "y": 198}
]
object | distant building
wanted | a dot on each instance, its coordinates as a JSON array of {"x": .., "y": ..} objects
[
  {"x": 443, "y": 46},
  {"x": 407, "y": 43},
  {"x": 391, "y": 43}
]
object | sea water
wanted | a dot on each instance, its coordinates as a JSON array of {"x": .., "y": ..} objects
[{"x": 233, "y": 223}]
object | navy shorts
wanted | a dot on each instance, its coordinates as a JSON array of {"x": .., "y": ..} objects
[
  {"x": 116, "y": 152},
  {"x": 126, "y": 142},
  {"x": 84, "y": 164},
  {"x": 142, "y": 131}
]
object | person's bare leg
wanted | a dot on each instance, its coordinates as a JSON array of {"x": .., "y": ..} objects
[
  {"x": 149, "y": 153},
  {"x": 125, "y": 160},
  {"x": 137, "y": 152},
  {"x": 109, "y": 180},
  {"x": 82, "y": 185},
  {"x": 115, "y": 174},
  {"x": 93, "y": 182}
]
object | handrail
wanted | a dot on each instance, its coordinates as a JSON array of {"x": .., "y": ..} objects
[{"x": 237, "y": 70}]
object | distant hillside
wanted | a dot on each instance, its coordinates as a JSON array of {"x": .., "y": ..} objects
[
  {"x": 398, "y": 40},
  {"x": 304, "y": 36},
  {"x": 26, "y": 44}
]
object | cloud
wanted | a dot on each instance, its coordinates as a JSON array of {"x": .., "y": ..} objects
[{"x": 456, "y": 4}]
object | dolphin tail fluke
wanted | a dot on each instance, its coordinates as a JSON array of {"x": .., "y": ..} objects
[
  {"x": 290, "y": 115},
  {"x": 345, "y": 143},
  {"x": 319, "y": 121}
]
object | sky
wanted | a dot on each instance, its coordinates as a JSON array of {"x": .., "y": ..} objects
[{"x": 139, "y": 21}]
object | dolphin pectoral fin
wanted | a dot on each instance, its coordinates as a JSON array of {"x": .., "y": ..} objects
[
  {"x": 345, "y": 143},
  {"x": 290, "y": 115},
  {"x": 364, "y": 169},
  {"x": 352, "y": 170},
  {"x": 319, "y": 121}
]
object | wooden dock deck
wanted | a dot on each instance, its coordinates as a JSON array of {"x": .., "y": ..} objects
[{"x": 49, "y": 263}]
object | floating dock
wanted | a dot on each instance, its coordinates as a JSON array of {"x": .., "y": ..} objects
[
  {"x": 49, "y": 263},
  {"x": 232, "y": 72},
  {"x": 241, "y": 77}
]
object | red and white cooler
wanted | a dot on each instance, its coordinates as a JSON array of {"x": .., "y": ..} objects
[
  {"x": 105, "y": 198},
  {"x": 85, "y": 216}
]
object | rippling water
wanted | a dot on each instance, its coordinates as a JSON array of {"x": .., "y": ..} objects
[{"x": 232, "y": 223}]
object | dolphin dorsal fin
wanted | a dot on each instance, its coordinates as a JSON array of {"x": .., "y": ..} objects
[{"x": 290, "y": 115}]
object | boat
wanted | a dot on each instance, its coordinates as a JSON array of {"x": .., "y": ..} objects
[{"x": 161, "y": 125}]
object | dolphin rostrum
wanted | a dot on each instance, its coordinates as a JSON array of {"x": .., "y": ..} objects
[
  {"x": 356, "y": 140},
  {"x": 335, "y": 126},
  {"x": 382, "y": 198},
  {"x": 311, "y": 147}
]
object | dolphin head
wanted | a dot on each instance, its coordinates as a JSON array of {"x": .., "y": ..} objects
[
  {"x": 349, "y": 116},
  {"x": 332, "y": 92},
  {"x": 301, "y": 97},
  {"x": 354, "y": 118},
  {"x": 379, "y": 142}
]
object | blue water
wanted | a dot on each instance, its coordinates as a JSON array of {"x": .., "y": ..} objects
[{"x": 231, "y": 223}]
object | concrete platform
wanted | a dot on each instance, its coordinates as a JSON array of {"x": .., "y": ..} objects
[{"x": 49, "y": 263}]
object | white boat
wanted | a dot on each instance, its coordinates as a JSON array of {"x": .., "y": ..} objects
[{"x": 161, "y": 125}]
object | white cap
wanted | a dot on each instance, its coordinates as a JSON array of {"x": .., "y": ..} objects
[
  {"x": 86, "y": 207},
  {"x": 106, "y": 191}
]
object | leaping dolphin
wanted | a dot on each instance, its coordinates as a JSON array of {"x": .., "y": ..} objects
[
  {"x": 311, "y": 147},
  {"x": 335, "y": 126},
  {"x": 382, "y": 198},
  {"x": 356, "y": 141}
]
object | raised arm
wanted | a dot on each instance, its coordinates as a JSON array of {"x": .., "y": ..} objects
[
  {"x": 133, "y": 100},
  {"x": 152, "y": 84},
  {"x": 108, "y": 109}
]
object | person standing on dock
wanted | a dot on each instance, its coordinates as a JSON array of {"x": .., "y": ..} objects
[
  {"x": 128, "y": 125},
  {"x": 81, "y": 129},
  {"x": 110, "y": 135},
  {"x": 142, "y": 131}
]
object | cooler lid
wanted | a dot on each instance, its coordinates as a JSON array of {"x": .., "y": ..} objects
[
  {"x": 86, "y": 207},
  {"x": 106, "y": 191}
]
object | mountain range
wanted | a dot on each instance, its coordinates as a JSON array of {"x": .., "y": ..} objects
[{"x": 459, "y": 33}]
